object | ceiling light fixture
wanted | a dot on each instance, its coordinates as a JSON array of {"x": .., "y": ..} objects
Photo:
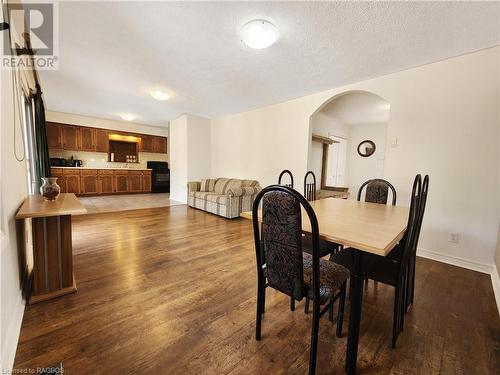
[
  {"x": 127, "y": 116},
  {"x": 159, "y": 94},
  {"x": 259, "y": 34}
]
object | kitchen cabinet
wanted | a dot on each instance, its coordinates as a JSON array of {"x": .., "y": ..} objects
[
  {"x": 101, "y": 140},
  {"x": 54, "y": 135},
  {"x": 160, "y": 145},
  {"x": 135, "y": 181},
  {"x": 121, "y": 181},
  {"x": 146, "y": 182},
  {"x": 61, "y": 181},
  {"x": 105, "y": 181},
  {"x": 87, "y": 139},
  {"x": 70, "y": 136},
  {"x": 147, "y": 143},
  {"x": 89, "y": 181},
  {"x": 72, "y": 179},
  {"x": 83, "y": 181},
  {"x": 83, "y": 138}
]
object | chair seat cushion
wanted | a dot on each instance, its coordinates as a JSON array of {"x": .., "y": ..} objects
[
  {"x": 325, "y": 247},
  {"x": 375, "y": 267},
  {"x": 332, "y": 276}
]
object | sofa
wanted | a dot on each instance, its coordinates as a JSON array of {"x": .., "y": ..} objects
[{"x": 226, "y": 197}]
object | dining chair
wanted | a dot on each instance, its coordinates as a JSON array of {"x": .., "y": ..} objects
[
  {"x": 392, "y": 270},
  {"x": 377, "y": 191},
  {"x": 287, "y": 268},
  {"x": 411, "y": 268},
  {"x": 310, "y": 187},
  {"x": 284, "y": 173},
  {"x": 325, "y": 247}
]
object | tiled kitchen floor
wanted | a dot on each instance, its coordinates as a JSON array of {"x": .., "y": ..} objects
[{"x": 111, "y": 203}]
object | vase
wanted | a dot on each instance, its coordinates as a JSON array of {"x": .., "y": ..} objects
[{"x": 50, "y": 189}]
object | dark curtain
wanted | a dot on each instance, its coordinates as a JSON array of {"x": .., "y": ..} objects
[{"x": 42, "y": 160}]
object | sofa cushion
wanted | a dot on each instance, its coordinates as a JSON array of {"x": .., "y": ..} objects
[
  {"x": 217, "y": 198},
  {"x": 249, "y": 183},
  {"x": 208, "y": 184},
  {"x": 203, "y": 194},
  {"x": 223, "y": 184}
]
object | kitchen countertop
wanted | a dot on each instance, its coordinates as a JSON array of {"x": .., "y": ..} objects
[{"x": 114, "y": 168}]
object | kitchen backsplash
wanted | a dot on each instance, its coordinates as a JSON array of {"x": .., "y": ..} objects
[{"x": 100, "y": 159}]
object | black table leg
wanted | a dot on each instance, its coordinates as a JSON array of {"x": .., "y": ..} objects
[{"x": 356, "y": 287}]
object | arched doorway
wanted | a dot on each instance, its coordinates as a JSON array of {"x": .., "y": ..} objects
[{"x": 349, "y": 136}]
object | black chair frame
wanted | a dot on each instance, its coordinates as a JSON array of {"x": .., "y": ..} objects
[
  {"x": 282, "y": 174},
  {"x": 389, "y": 185},
  {"x": 310, "y": 187},
  {"x": 262, "y": 284}
]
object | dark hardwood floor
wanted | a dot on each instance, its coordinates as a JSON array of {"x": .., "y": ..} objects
[{"x": 172, "y": 290}]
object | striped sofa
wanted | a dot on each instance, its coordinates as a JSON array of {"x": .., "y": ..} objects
[{"x": 227, "y": 197}]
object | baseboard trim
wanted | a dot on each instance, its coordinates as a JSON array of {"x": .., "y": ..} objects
[
  {"x": 12, "y": 336},
  {"x": 490, "y": 269},
  {"x": 495, "y": 281}
]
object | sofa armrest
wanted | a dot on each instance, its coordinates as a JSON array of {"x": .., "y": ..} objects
[{"x": 193, "y": 186}]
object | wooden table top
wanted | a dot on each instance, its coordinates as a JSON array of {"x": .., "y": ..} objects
[
  {"x": 36, "y": 206},
  {"x": 371, "y": 227}
]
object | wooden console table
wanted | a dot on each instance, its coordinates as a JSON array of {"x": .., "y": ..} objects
[{"x": 52, "y": 244}]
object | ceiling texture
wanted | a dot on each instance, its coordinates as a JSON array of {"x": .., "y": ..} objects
[{"x": 112, "y": 53}]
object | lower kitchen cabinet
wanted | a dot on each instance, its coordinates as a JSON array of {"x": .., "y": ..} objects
[
  {"x": 105, "y": 182},
  {"x": 121, "y": 182},
  {"x": 146, "y": 182},
  {"x": 102, "y": 181},
  {"x": 135, "y": 182},
  {"x": 73, "y": 181},
  {"x": 89, "y": 182}
]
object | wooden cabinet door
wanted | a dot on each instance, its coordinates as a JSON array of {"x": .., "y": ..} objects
[
  {"x": 70, "y": 136},
  {"x": 101, "y": 140},
  {"x": 87, "y": 139},
  {"x": 89, "y": 182},
  {"x": 146, "y": 182},
  {"x": 106, "y": 184},
  {"x": 72, "y": 183},
  {"x": 121, "y": 183},
  {"x": 54, "y": 135},
  {"x": 160, "y": 145},
  {"x": 147, "y": 143},
  {"x": 135, "y": 182},
  {"x": 61, "y": 181}
]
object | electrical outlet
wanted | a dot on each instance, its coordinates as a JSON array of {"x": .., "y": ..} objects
[
  {"x": 394, "y": 142},
  {"x": 453, "y": 237}
]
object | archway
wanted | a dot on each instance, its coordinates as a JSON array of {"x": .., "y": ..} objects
[{"x": 338, "y": 154}]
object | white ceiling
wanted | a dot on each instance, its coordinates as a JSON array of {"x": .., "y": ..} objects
[
  {"x": 111, "y": 53},
  {"x": 360, "y": 108}
]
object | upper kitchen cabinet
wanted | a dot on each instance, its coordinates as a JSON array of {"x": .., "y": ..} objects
[
  {"x": 70, "y": 136},
  {"x": 147, "y": 143},
  {"x": 54, "y": 135},
  {"x": 160, "y": 145},
  {"x": 101, "y": 140},
  {"x": 83, "y": 138},
  {"x": 87, "y": 139}
]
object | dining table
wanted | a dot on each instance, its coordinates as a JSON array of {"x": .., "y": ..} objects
[{"x": 361, "y": 227}]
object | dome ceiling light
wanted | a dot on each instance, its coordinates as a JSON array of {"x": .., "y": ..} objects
[{"x": 259, "y": 34}]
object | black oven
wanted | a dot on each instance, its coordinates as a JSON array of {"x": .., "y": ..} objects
[{"x": 160, "y": 176}]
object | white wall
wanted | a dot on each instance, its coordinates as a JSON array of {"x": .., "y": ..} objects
[
  {"x": 13, "y": 185},
  {"x": 358, "y": 168},
  {"x": 178, "y": 158},
  {"x": 445, "y": 117},
  {"x": 101, "y": 123},
  {"x": 190, "y": 153}
]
